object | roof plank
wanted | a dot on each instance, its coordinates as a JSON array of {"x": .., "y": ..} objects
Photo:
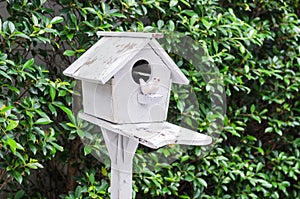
[
  {"x": 105, "y": 58},
  {"x": 130, "y": 34}
]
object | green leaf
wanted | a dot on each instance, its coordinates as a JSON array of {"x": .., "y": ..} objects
[
  {"x": 18, "y": 177},
  {"x": 42, "y": 114},
  {"x": 80, "y": 133},
  {"x": 160, "y": 24},
  {"x": 11, "y": 26},
  {"x": 251, "y": 33},
  {"x": 44, "y": 39},
  {"x": 202, "y": 182},
  {"x": 56, "y": 20},
  {"x": 216, "y": 47},
  {"x": 184, "y": 197},
  {"x": 165, "y": 190},
  {"x": 35, "y": 165},
  {"x": 252, "y": 108},
  {"x": 119, "y": 15},
  {"x": 180, "y": 106},
  {"x": 189, "y": 13},
  {"x": 11, "y": 125},
  {"x": 19, "y": 194},
  {"x": 238, "y": 128},
  {"x": 91, "y": 10},
  {"x": 14, "y": 145},
  {"x": 5, "y": 75},
  {"x": 92, "y": 178},
  {"x": 184, "y": 158},
  {"x": 69, "y": 53},
  {"x": 19, "y": 155},
  {"x": 60, "y": 148},
  {"x": 71, "y": 125},
  {"x": 189, "y": 178},
  {"x": 226, "y": 180},
  {"x": 50, "y": 30},
  {"x": 173, "y": 3},
  {"x": 35, "y": 20},
  {"x": 265, "y": 183},
  {"x": 66, "y": 110},
  {"x": 52, "y": 109},
  {"x": 257, "y": 118},
  {"x": 103, "y": 171},
  {"x": 251, "y": 138},
  {"x": 73, "y": 18},
  {"x": 242, "y": 48},
  {"x": 13, "y": 88},
  {"x": 260, "y": 150},
  {"x": 171, "y": 25},
  {"x": 206, "y": 23},
  {"x": 28, "y": 64},
  {"x": 52, "y": 93},
  {"x": 259, "y": 167},
  {"x": 4, "y": 108},
  {"x": 87, "y": 150},
  {"x": 246, "y": 68},
  {"x": 43, "y": 121},
  {"x": 20, "y": 34},
  {"x": 33, "y": 148},
  {"x": 269, "y": 130}
]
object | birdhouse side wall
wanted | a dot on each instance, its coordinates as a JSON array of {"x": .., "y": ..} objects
[{"x": 97, "y": 100}]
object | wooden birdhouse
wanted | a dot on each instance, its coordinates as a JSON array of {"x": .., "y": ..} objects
[
  {"x": 126, "y": 78},
  {"x": 126, "y": 81}
]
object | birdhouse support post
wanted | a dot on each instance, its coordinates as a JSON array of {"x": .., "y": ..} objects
[{"x": 121, "y": 151}]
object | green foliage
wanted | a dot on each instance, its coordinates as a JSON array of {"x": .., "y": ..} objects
[
  {"x": 90, "y": 189},
  {"x": 26, "y": 141},
  {"x": 255, "y": 45}
]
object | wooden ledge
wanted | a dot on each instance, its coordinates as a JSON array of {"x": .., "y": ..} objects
[{"x": 153, "y": 135}]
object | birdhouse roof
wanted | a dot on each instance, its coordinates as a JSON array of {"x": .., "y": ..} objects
[{"x": 111, "y": 53}]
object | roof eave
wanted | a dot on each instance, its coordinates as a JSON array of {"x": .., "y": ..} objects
[{"x": 176, "y": 74}]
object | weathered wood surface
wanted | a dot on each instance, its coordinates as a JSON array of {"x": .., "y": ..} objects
[
  {"x": 105, "y": 58},
  {"x": 113, "y": 51},
  {"x": 121, "y": 151},
  {"x": 153, "y": 135}
]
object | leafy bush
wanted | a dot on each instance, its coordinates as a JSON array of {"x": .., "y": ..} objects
[{"x": 253, "y": 43}]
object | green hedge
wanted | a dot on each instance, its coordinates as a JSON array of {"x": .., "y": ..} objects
[{"x": 255, "y": 45}]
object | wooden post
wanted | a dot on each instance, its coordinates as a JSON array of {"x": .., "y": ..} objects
[{"x": 121, "y": 150}]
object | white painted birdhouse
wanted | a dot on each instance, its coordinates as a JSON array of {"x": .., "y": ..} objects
[{"x": 126, "y": 78}]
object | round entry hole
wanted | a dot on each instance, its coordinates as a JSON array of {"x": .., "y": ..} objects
[{"x": 141, "y": 70}]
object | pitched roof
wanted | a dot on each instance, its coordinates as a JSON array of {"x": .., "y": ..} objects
[{"x": 111, "y": 53}]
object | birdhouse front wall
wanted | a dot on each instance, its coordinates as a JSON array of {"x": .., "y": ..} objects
[
  {"x": 118, "y": 100},
  {"x": 126, "y": 90}
]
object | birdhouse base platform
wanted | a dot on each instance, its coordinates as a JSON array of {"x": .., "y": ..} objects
[{"x": 153, "y": 135}]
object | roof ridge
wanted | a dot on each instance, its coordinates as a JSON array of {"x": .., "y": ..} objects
[{"x": 130, "y": 34}]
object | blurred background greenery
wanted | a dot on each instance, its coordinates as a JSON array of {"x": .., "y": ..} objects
[{"x": 254, "y": 44}]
